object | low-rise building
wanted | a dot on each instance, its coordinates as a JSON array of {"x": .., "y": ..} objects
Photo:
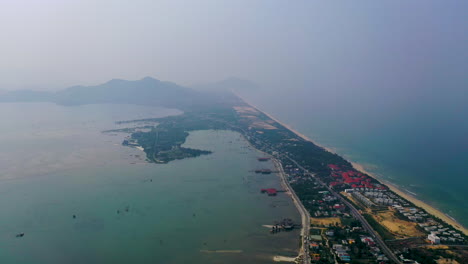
[
  {"x": 313, "y": 245},
  {"x": 434, "y": 239}
]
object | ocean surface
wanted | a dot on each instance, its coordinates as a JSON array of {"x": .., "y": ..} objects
[
  {"x": 55, "y": 163},
  {"x": 420, "y": 144}
]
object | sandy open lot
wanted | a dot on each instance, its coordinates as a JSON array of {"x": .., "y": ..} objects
[
  {"x": 325, "y": 221},
  {"x": 401, "y": 228}
]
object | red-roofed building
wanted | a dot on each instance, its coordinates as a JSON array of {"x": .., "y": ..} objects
[
  {"x": 314, "y": 245},
  {"x": 369, "y": 241},
  {"x": 269, "y": 191},
  {"x": 338, "y": 206}
]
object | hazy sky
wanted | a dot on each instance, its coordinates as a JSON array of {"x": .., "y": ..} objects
[{"x": 338, "y": 46}]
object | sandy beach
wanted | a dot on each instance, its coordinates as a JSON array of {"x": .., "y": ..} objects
[{"x": 430, "y": 209}]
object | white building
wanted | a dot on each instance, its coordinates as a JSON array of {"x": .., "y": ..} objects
[{"x": 434, "y": 239}]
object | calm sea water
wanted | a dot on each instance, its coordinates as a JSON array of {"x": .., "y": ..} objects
[
  {"x": 417, "y": 143},
  {"x": 55, "y": 163}
]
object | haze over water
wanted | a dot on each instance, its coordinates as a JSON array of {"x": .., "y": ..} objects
[
  {"x": 382, "y": 82},
  {"x": 56, "y": 163}
]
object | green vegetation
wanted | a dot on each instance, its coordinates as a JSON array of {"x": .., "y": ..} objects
[
  {"x": 426, "y": 256},
  {"x": 164, "y": 145}
]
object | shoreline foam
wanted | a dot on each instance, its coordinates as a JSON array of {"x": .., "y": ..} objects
[
  {"x": 430, "y": 209},
  {"x": 284, "y": 259}
]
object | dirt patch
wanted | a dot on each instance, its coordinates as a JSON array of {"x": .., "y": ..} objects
[
  {"x": 262, "y": 125},
  {"x": 246, "y": 110},
  {"x": 447, "y": 261},
  {"x": 400, "y": 228},
  {"x": 251, "y": 116},
  {"x": 325, "y": 221},
  {"x": 437, "y": 247}
]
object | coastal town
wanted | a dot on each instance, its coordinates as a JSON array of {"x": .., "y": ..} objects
[
  {"x": 347, "y": 216},
  {"x": 354, "y": 217},
  {"x": 234, "y": 132}
]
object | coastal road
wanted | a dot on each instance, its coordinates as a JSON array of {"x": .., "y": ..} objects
[
  {"x": 305, "y": 216},
  {"x": 304, "y": 212},
  {"x": 369, "y": 229},
  {"x": 356, "y": 214}
]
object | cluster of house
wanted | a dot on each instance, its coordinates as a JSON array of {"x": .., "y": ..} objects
[
  {"x": 385, "y": 198},
  {"x": 373, "y": 248},
  {"x": 376, "y": 198},
  {"x": 363, "y": 199},
  {"x": 440, "y": 234},
  {"x": 437, "y": 232},
  {"x": 327, "y": 206},
  {"x": 413, "y": 214},
  {"x": 295, "y": 174},
  {"x": 341, "y": 251},
  {"x": 314, "y": 247}
]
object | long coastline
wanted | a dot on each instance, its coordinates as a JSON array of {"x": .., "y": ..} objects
[{"x": 430, "y": 209}]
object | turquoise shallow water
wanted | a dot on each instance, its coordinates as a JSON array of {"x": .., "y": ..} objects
[
  {"x": 128, "y": 211},
  {"x": 419, "y": 144}
]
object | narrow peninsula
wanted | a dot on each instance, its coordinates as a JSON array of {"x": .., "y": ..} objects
[
  {"x": 340, "y": 203},
  {"x": 348, "y": 216}
]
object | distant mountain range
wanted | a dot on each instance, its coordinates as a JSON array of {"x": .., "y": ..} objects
[{"x": 147, "y": 91}]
